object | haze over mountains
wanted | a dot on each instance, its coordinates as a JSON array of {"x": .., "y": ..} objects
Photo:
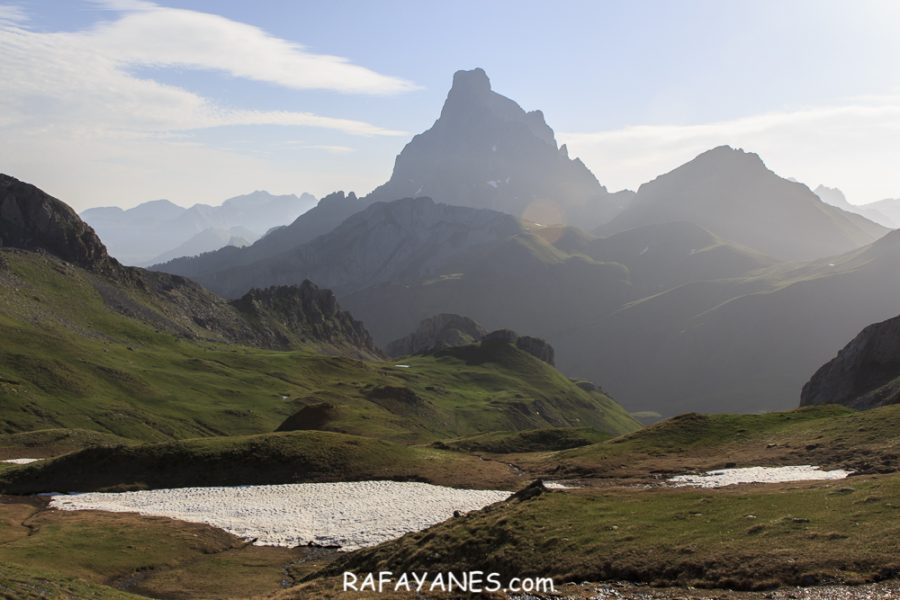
[
  {"x": 719, "y": 286},
  {"x": 159, "y": 230},
  {"x": 679, "y": 299},
  {"x": 885, "y": 212},
  {"x": 732, "y": 194}
]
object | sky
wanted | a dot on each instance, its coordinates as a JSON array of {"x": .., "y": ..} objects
[{"x": 116, "y": 102}]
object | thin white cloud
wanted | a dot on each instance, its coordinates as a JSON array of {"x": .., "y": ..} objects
[
  {"x": 80, "y": 82},
  {"x": 147, "y": 34},
  {"x": 851, "y": 145},
  {"x": 12, "y": 14},
  {"x": 329, "y": 148}
]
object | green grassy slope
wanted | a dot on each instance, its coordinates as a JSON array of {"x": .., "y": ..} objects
[
  {"x": 533, "y": 440},
  {"x": 292, "y": 457},
  {"x": 833, "y": 436},
  {"x": 43, "y": 443},
  {"x": 69, "y": 362},
  {"x": 754, "y": 538},
  {"x": 33, "y": 583}
]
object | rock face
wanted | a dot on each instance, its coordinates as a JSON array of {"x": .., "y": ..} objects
[
  {"x": 485, "y": 151},
  {"x": 307, "y": 312},
  {"x": 536, "y": 347},
  {"x": 451, "y": 331},
  {"x": 33, "y": 220},
  {"x": 865, "y": 373},
  {"x": 436, "y": 333},
  {"x": 732, "y": 194}
]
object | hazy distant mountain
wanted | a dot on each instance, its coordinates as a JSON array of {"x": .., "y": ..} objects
[
  {"x": 739, "y": 344},
  {"x": 141, "y": 234},
  {"x": 733, "y": 195},
  {"x": 864, "y": 374},
  {"x": 836, "y": 197},
  {"x": 661, "y": 256},
  {"x": 208, "y": 240},
  {"x": 889, "y": 209}
]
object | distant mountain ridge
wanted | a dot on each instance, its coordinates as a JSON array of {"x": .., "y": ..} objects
[
  {"x": 836, "y": 197},
  {"x": 732, "y": 194},
  {"x": 394, "y": 242},
  {"x": 151, "y": 232}
]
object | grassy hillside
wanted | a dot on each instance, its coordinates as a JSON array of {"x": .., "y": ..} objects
[
  {"x": 88, "y": 555},
  {"x": 752, "y": 538},
  {"x": 293, "y": 457},
  {"x": 68, "y": 361},
  {"x": 533, "y": 440},
  {"x": 830, "y": 436},
  {"x": 44, "y": 443}
]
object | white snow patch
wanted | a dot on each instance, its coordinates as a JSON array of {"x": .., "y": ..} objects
[
  {"x": 723, "y": 477},
  {"x": 645, "y": 250},
  {"x": 21, "y": 461},
  {"x": 402, "y": 366},
  {"x": 349, "y": 515},
  {"x": 555, "y": 485},
  {"x": 494, "y": 184}
]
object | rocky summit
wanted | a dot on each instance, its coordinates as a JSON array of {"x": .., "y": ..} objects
[
  {"x": 864, "y": 374},
  {"x": 486, "y": 151},
  {"x": 445, "y": 330},
  {"x": 33, "y": 220},
  {"x": 305, "y": 311},
  {"x": 449, "y": 330}
]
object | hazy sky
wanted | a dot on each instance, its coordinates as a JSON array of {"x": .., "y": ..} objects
[{"x": 123, "y": 101}]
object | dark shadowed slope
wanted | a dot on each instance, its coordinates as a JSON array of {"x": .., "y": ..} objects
[
  {"x": 732, "y": 194},
  {"x": 398, "y": 242},
  {"x": 864, "y": 374},
  {"x": 742, "y": 344}
]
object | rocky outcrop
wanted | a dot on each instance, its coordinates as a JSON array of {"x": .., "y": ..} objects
[
  {"x": 303, "y": 314},
  {"x": 33, "y": 220},
  {"x": 536, "y": 347},
  {"x": 865, "y": 373},
  {"x": 452, "y": 331},
  {"x": 436, "y": 333}
]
